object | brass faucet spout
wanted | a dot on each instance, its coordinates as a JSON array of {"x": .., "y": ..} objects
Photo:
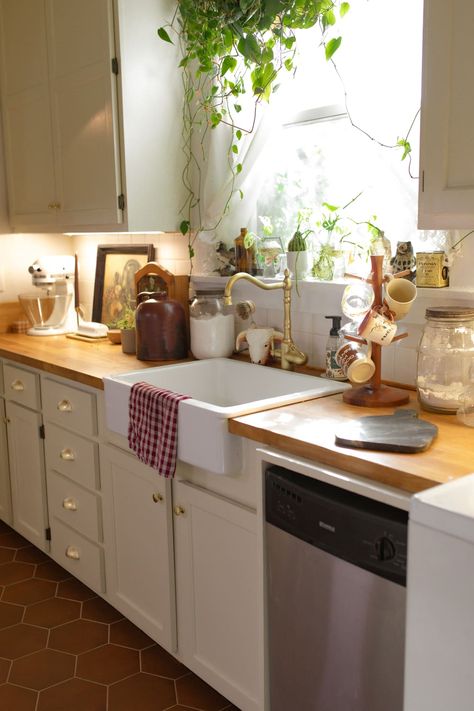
[{"x": 289, "y": 354}]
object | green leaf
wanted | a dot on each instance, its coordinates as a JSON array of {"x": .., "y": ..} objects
[
  {"x": 237, "y": 108},
  {"x": 249, "y": 48},
  {"x": 332, "y": 46},
  {"x": 162, "y": 34},
  {"x": 228, "y": 64},
  {"x": 238, "y": 134},
  {"x": 191, "y": 251},
  {"x": 235, "y": 149},
  {"x": 288, "y": 64},
  {"x": 241, "y": 194},
  {"x": 344, "y": 9},
  {"x": 403, "y": 143},
  {"x": 332, "y": 208},
  {"x": 184, "y": 227},
  {"x": 238, "y": 168}
]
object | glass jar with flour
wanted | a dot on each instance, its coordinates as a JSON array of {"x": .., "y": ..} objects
[{"x": 211, "y": 325}]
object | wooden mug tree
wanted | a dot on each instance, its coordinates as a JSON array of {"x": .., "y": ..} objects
[{"x": 375, "y": 393}]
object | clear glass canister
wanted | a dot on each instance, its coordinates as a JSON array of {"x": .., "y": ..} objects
[
  {"x": 211, "y": 325},
  {"x": 445, "y": 369}
]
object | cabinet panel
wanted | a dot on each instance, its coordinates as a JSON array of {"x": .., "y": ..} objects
[
  {"x": 217, "y": 592},
  {"x": 25, "y": 61},
  {"x": 139, "y": 544},
  {"x": 5, "y": 493},
  {"x": 78, "y": 555},
  {"x": 22, "y": 386},
  {"x": 71, "y": 455},
  {"x": 26, "y": 457},
  {"x": 447, "y": 131},
  {"x": 69, "y": 407},
  {"x": 74, "y": 506}
]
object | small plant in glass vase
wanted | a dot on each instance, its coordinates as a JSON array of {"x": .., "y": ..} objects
[
  {"x": 329, "y": 263},
  {"x": 269, "y": 248}
]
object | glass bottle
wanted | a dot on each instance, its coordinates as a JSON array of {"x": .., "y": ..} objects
[
  {"x": 445, "y": 368},
  {"x": 211, "y": 325},
  {"x": 244, "y": 255}
]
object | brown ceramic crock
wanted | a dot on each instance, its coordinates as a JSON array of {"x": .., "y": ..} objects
[{"x": 161, "y": 327}]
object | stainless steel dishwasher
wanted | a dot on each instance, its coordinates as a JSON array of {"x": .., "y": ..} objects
[{"x": 336, "y": 571}]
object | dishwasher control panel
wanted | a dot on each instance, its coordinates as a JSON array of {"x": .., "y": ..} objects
[{"x": 361, "y": 531}]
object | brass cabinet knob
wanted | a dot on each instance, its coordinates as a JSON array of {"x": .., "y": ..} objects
[
  {"x": 54, "y": 206},
  {"x": 6, "y": 420},
  {"x": 179, "y": 511},
  {"x": 70, "y": 504},
  {"x": 67, "y": 455},
  {"x": 73, "y": 553},
  {"x": 157, "y": 497},
  {"x": 17, "y": 385},
  {"x": 64, "y": 406}
]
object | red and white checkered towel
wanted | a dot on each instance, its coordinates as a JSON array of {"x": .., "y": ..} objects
[{"x": 153, "y": 426}]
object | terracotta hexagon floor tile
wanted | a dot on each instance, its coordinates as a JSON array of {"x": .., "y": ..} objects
[
  {"x": 4, "y": 527},
  {"x": 100, "y": 611},
  {"x": 126, "y": 634},
  {"x": 74, "y": 590},
  {"x": 178, "y": 707},
  {"x": 29, "y": 591},
  {"x": 107, "y": 664},
  {"x": 52, "y": 612},
  {"x": 52, "y": 571},
  {"x": 15, "y": 698},
  {"x": 12, "y": 539},
  {"x": 74, "y": 695},
  {"x": 153, "y": 693},
  {"x": 155, "y": 660},
  {"x": 13, "y": 572},
  {"x": 21, "y": 639},
  {"x": 6, "y": 554},
  {"x": 10, "y": 614},
  {"x": 42, "y": 669},
  {"x": 78, "y": 636},
  {"x": 193, "y": 691},
  {"x": 4, "y": 669},
  {"x": 31, "y": 555}
]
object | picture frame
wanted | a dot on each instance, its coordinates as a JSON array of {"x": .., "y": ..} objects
[{"x": 114, "y": 285}]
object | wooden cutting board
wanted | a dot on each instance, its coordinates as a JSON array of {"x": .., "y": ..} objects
[{"x": 400, "y": 432}]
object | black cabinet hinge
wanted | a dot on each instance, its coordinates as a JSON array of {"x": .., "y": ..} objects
[
  {"x": 115, "y": 66},
  {"x": 47, "y": 533},
  {"x": 423, "y": 181},
  {"x": 42, "y": 432},
  {"x": 121, "y": 201}
]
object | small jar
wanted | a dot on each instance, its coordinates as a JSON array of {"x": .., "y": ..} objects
[
  {"x": 211, "y": 325},
  {"x": 445, "y": 368}
]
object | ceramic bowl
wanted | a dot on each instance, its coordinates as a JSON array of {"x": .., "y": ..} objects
[{"x": 114, "y": 335}]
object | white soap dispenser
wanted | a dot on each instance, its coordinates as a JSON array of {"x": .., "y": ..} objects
[{"x": 333, "y": 370}]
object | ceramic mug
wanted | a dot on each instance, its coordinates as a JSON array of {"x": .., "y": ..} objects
[
  {"x": 399, "y": 296},
  {"x": 260, "y": 342},
  {"x": 377, "y": 328},
  {"x": 355, "y": 362}
]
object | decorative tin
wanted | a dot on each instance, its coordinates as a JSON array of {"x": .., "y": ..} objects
[{"x": 431, "y": 270}]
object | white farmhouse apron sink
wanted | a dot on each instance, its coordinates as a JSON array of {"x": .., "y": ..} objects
[{"x": 219, "y": 388}]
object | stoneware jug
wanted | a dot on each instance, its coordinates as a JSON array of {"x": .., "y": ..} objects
[{"x": 161, "y": 327}]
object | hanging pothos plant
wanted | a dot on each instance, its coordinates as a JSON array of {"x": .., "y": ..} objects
[{"x": 232, "y": 48}]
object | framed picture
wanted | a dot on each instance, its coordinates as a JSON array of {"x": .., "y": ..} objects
[{"x": 114, "y": 287}]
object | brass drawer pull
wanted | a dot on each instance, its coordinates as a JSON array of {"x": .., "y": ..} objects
[
  {"x": 179, "y": 511},
  {"x": 70, "y": 504},
  {"x": 18, "y": 386},
  {"x": 54, "y": 206},
  {"x": 157, "y": 497},
  {"x": 73, "y": 553},
  {"x": 67, "y": 455},
  {"x": 64, "y": 406}
]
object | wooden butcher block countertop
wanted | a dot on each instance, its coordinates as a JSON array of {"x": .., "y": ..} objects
[
  {"x": 85, "y": 363},
  {"x": 307, "y": 429}
]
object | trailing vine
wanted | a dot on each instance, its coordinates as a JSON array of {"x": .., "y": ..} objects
[{"x": 232, "y": 49}]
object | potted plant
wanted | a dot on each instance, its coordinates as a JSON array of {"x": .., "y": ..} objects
[
  {"x": 126, "y": 324},
  {"x": 297, "y": 254}
]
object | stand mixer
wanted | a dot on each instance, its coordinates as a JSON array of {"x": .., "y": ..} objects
[{"x": 52, "y": 312}]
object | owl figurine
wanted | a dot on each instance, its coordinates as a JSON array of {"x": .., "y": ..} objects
[{"x": 403, "y": 259}]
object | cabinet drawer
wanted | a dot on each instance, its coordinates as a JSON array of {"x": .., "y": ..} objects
[
  {"x": 73, "y": 456},
  {"x": 78, "y": 555},
  {"x": 69, "y": 407},
  {"x": 75, "y": 506},
  {"x": 21, "y": 386}
]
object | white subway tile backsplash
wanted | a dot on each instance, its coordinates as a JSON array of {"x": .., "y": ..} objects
[{"x": 405, "y": 366}]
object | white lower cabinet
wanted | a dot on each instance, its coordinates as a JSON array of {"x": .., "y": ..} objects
[
  {"x": 27, "y": 474},
  {"x": 217, "y": 572},
  {"x": 139, "y": 544},
  {"x": 5, "y": 492}
]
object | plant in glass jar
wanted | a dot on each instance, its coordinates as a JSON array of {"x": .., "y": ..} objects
[{"x": 331, "y": 236}]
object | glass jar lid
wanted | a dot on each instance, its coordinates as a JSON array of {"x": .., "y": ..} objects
[{"x": 450, "y": 313}]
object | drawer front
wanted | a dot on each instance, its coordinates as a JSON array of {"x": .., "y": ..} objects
[
  {"x": 2, "y": 389},
  {"x": 69, "y": 407},
  {"x": 73, "y": 505},
  {"x": 71, "y": 455},
  {"x": 21, "y": 386},
  {"x": 78, "y": 555}
]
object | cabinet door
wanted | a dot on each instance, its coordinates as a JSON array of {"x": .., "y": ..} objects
[
  {"x": 447, "y": 129},
  {"x": 26, "y": 112},
  {"x": 218, "y": 606},
  {"x": 27, "y": 474},
  {"x": 5, "y": 494},
  {"x": 83, "y": 102},
  {"x": 139, "y": 544}
]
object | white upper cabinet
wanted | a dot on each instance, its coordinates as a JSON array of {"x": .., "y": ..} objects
[
  {"x": 91, "y": 106},
  {"x": 447, "y": 129}
]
